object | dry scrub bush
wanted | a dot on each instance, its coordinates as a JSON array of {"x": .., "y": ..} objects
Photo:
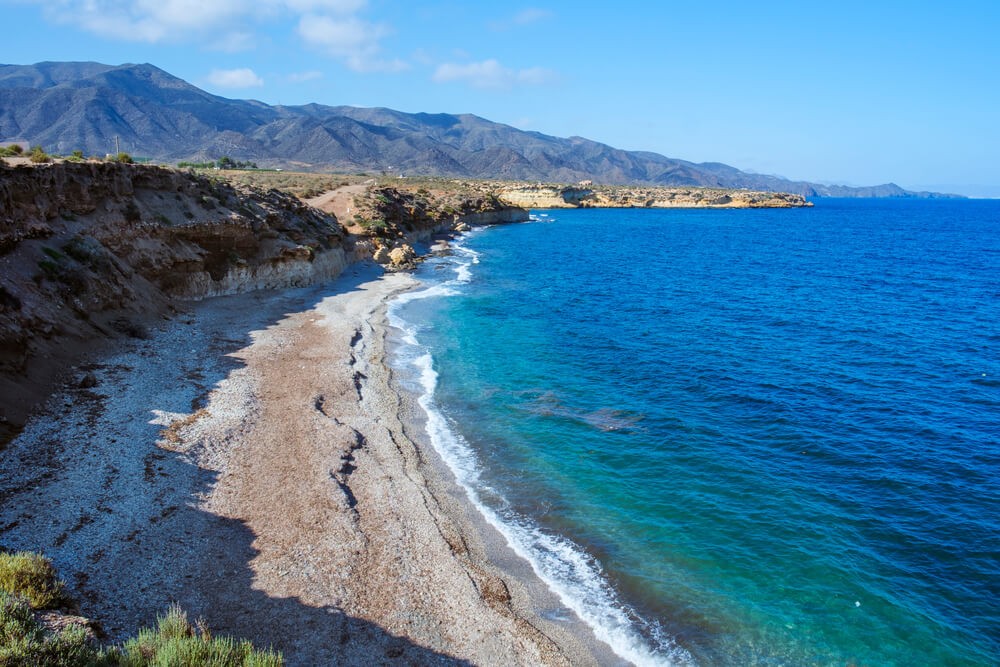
[{"x": 31, "y": 576}]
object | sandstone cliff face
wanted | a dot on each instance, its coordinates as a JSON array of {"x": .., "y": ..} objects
[
  {"x": 186, "y": 234},
  {"x": 546, "y": 196},
  {"x": 552, "y": 196},
  {"x": 90, "y": 250}
]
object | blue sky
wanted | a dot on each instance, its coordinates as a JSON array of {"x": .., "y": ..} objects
[{"x": 848, "y": 92}]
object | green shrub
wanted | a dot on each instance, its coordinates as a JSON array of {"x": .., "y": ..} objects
[
  {"x": 38, "y": 155},
  {"x": 175, "y": 641},
  {"x": 123, "y": 157},
  {"x": 28, "y": 581},
  {"x": 32, "y": 577},
  {"x": 376, "y": 225},
  {"x": 50, "y": 268},
  {"x": 23, "y": 641}
]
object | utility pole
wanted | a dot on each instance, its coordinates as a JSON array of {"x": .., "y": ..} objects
[{"x": 117, "y": 151}]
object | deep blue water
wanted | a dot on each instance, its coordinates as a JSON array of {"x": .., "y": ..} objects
[{"x": 734, "y": 437}]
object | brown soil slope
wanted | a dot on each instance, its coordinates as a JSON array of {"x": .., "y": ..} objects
[{"x": 90, "y": 251}]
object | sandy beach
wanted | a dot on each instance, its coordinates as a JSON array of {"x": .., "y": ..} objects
[{"x": 252, "y": 461}]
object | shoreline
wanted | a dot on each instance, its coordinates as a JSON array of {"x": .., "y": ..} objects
[
  {"x": 570, "y": 574},
  {"x": 250, "y": 461}
]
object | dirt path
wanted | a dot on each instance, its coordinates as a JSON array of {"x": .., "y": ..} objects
[{"x": 340, "y": 202}]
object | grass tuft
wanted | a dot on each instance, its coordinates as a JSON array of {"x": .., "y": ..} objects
[
  {"x": 175, "y": 641},
  {"x": 28, "y": 581},
  {"x": 23, "y": 641},
  {"x": 32, "y": 577}
]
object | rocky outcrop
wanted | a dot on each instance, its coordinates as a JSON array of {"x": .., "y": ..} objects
[
  {"x": 187, "y": 235},
  {"x": 403, "y": 256},
  {"x": 546, "y": 196},
  {"x": 501, "y": 216},
  {"x": 391, "y": 212},
  {"x": 396, "y": 218},
  {"x": 396, "y": 258},
  {"x": 606, "y": 196}
]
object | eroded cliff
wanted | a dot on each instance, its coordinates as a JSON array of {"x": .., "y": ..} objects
[
  {"x": 612, "y": 196},
  {"x": 90, "y": 251}
]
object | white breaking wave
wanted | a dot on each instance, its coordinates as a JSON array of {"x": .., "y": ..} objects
[{"x": 572, "y": 574}]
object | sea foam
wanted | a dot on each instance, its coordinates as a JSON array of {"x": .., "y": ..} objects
[{"x": 567, "y": 569}]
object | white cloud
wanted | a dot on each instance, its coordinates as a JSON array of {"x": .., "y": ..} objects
[
  {"x": 334, "y": 27},
  {"x": 523, "y": 17},
  {"x": 491, "y": 75},
  {"x": 350, "y": 39},
  {"x": 336, "y": 6},
  {"x": 228, "y": 25},
  {"x": 235, "y": 78},
  {"x": 301, "y": 77},
  {"x": 531, "y": 15},
  {"x": 148, "y": 20},
  {"x": 422, "y": 57},
  {"x": 534, "y": 76}
]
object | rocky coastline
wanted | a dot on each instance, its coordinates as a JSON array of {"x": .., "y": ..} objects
[
  {"x": 250, "y": 457},
  {"x": 93, "y": 252},
  {"x": 586, "y": 195}
]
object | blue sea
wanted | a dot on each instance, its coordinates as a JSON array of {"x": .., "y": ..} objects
[{"x": 733, "y": 437}]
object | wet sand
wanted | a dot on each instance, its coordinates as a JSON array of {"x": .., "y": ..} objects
[{"x": 254, "y": 462}]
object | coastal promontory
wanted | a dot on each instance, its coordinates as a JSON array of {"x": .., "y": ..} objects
[{"x": 587, "y": 195}]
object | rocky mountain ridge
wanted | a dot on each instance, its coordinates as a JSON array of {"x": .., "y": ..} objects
[{"x": 86, "y": 106}]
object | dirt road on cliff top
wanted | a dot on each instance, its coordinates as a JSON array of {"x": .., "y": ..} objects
[{"x": 340, "y": 202}]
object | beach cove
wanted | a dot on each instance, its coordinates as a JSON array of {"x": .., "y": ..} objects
[
  {"x": 551, "y": 443},
  {"x": 247, "y": 461}
]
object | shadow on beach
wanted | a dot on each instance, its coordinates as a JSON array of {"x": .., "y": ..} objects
[
  {"x": 221, "y": 591},
  {"x": 122, "y": 518}
]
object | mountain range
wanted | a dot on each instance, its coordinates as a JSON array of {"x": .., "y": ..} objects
[{"x": 67, "y": 106}]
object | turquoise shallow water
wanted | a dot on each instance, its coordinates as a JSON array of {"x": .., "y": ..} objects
[{"x": 734, "y": 437}]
